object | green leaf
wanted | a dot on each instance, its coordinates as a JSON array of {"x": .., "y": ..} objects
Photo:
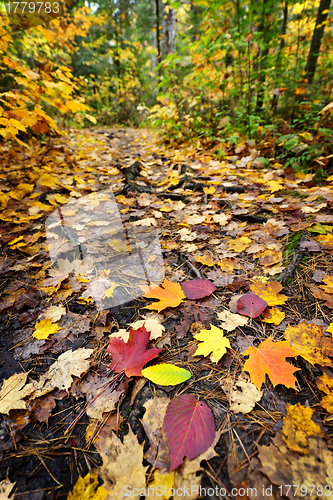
[
  {"x": 317, "y": 228},
  {"x": 165, "y": 374}
]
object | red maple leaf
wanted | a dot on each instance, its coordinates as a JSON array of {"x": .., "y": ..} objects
[{"x": 132, "y": 356}]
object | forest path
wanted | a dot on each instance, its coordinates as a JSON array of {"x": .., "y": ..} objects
[{"x": 235, "y": 223}]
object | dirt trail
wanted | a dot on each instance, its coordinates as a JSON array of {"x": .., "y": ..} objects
[{"x": 232, "y": 222}]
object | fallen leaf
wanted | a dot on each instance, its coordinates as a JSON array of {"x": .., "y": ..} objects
[
  {"x": 148, "y": 221},
  {"x": 325, "y": 384},
  {"x": 6, "y": 487},
  {"x": 270, "y": 257},
  {"x": 273, "y": 315},
  {"x": 285, "y": 467},
  {"x": 213, "y": 343},
  {"x": 189, "y": 427},
  {"x": 231, "y": 321},
  {"x": 197, "y": 289},
  {"x": 251, "y": 305},
  {"x": 163, "y": 485},
  {"x": 45, "y": 328},
  {"x": 195, "y": 219},
  {"x": 227, "y": 265},
  {"x": 87, "y": 488},
  {"x": 205, "y": 260},
  {"x": 13, "y": 391},
  {"x": 152, "y": 421},
  {"x": 152, "y": 324},
  {"x": 132, "y": 356},
  {"x": 328, "y": 287},
  {"x": 298, "y": 427},
  {"x": 269, "y": 359},
  {"x": 54, "y": 313},
  {"x": 311, "y": 343},
  {"x": 242, "y": 394},
  {"x": 171, "y": 295},
  {"x": 269, "y": 292},
  {"x": 122, "y": 469},
  {"x": 60, "y": 374},
  {"x": 239, "y": 244},
  {"x": 166, "y": 374}
]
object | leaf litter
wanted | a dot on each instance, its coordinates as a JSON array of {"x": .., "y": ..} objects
[{"x": 229, "y": 385}]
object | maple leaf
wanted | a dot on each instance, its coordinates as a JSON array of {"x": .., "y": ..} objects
[
  {"x": 171, "y": 295},
  {"x": 132, "y": 356},
  {"x": 212, "y": 342},
  {"x": 269, "y": 358},
  {"x": 189, "y": 427},
  {"x": 311, "y": 343},
  {"x": 13, "y": 391},
  {"x": 239, "y": 244},
  {"x": 231, "y": 321},
  {"x": 269, "y": 292},
  {"x": 298, "y": 426},
  {"x": 45, "y": 328},
  {"x": 325, "y": 384},
  {"x": 273, "y": 315}
]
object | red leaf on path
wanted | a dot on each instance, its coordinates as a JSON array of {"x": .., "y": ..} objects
[
  {"x": 189, "y": 427},
  {"x": 197, "y": 289},
  {"x": 132, "y": 356},
  {"x": 251, "y": 305}
]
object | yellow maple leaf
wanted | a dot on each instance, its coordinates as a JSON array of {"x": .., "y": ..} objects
[
  {"x": 239, "y": 244},
  {"x": 269, "y": 292},
  {"x": 325, "y": 384},
  {"x": 171, "y": 295},
  {"x": 273, "y": 315},
  {"x": 328, "y": 287},
  {"x": 206, "y": 260},
  {"x": 86, "y": 488},
  {"x": 298, "y": 426},
  {"x": 45, "y": 328},
  {"x": 309, "y": 339},
  {"x": 213, "y": 343}
]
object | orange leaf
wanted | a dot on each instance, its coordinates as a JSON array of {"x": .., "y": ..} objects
[
  {"x": 269, "y": 358},
  {"x": 171, "y": 295}
]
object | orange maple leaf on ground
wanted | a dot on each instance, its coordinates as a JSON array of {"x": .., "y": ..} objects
[
  {"x": 269, "y": 292},
  {"x": 269, "y": 358},
  {"x": 171, "y": 295}
]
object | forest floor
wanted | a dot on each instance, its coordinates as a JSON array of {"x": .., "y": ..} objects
[{"x": 234, "y": 223}]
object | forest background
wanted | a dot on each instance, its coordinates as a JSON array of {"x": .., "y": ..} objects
[{"x": 212, "y": 72}]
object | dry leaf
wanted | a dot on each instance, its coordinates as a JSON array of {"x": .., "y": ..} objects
[
  {"x": 13, "y": 391},
  {"x": 231, "y": 321},
  {"x": 298, "y": 427}
]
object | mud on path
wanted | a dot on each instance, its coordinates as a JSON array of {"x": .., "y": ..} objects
[{"x": 231, "y": 222}]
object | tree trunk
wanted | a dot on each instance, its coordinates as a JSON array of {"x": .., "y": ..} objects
[
  {"x": 158, "y": 42},
  {"x": 263, "y": 53},
  {"x": 169, "y": 29},
  {"x": 317, "y": 36}
]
